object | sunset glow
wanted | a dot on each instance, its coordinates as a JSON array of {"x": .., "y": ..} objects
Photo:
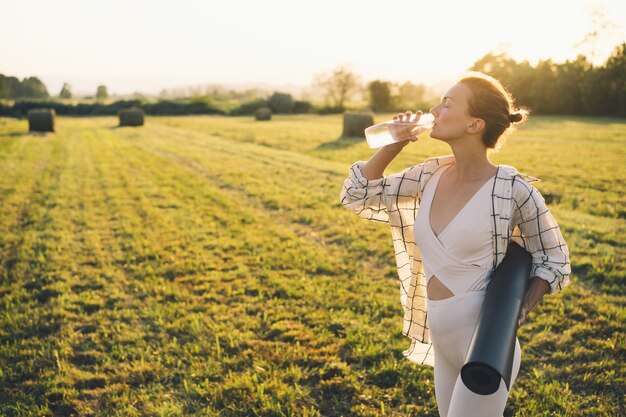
[{"x": 150, "y": 45}]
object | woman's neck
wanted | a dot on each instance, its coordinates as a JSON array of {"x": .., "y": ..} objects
[{"x": 471, "y": 164}]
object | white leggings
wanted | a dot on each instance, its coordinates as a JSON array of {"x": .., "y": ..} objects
[{"x": 452, "y": 321}]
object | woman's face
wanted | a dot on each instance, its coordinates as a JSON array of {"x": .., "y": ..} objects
[{"x": 452, "y": 113}]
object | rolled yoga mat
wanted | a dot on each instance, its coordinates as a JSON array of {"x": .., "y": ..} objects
[{"x": 490, "y": 354}]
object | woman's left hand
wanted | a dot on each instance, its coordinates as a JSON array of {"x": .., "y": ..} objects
[
  {"x": 522, "y": 315},
  {"x": 536, "y": 289}
]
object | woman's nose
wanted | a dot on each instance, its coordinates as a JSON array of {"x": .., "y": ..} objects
[{"x": 433, "y": 111}]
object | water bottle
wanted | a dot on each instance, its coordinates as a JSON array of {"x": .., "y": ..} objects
[{"x": 389, "y": 132}]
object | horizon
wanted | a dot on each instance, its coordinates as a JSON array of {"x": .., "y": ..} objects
[{"x": 146, "y": 47}]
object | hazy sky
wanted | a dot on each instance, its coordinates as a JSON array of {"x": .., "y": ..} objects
[{"x": 146, "y": 46}]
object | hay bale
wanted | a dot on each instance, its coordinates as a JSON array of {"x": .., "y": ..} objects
[
  {"x": 41, "y": 120},
  {"x": 263, "y": 113},
  {"x": 354, "y": 124},
  {"x": 131, "y": 117}
]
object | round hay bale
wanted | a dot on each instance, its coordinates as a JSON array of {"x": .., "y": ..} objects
[
  {"x": 131, "y": 117},
  {"x": 263, "y": 113},
  {"x": 41, "y": 120},
  {"x": 354, "y": 124}
]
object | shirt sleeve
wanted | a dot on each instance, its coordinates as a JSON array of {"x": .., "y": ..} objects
[
  {"x": 375, "y": 199},
  {"x": 537, "y": 230}
]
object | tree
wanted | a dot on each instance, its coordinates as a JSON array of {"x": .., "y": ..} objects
[
  {"x": 568, "y": 83},
  {"x": 102, "y": 92},
  {"x": 4, "y": 86},
  {"x": 499, "y": 66},
  {"x": 380, "y": 95},
  {"x": 616, "y": 72},
  {"x": 32, "y": 87},
  {"x": 595, "y": 89},
  {"x": 281, "y": 103},
  {"x": 543, "y": 91},
  {"x": 338, "y": 85},
  {"x": 66, "y": 91},
  {"x": 518, "y": 78},
  {"x": 9, "y": 87}
]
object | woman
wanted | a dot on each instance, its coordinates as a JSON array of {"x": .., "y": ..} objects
[{"x": 451, "y": 219}]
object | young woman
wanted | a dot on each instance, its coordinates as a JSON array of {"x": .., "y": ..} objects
[{"x": 451, "y": 219}]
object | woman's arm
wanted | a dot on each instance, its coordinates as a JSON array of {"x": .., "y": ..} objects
[
  {"x": 539, "y": 233},
  {"x": 369, "y": 193},
  {"x": 375, "y": 167},
  {"x": 382, "y": 158}
]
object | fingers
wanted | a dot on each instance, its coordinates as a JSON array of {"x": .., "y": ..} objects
[
  {"x": 522, "y": 316},
  {"x": 398, "y": 117},
  {"x": 418, "y": 113},
  {"x": 406, "y": 116}
]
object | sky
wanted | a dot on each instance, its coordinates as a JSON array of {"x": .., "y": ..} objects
[{"x": 146, "y": 46}]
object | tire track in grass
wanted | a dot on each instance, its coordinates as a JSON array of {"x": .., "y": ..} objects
[
  {"x": 10, "y": 147},
  {"x": 377, "y": 305},
  {"x": 285, "y": 132},
  {"x": 20, "y": 183},
  {"x": 141, "y": 156},
  {"x": 255, "y": 210},
  {"x": 139, "y": 178},
  {"x": 108, "y": 339},
  {"x": 67, "y": 387},
  {"x": 285, "y": 157},
  {"x": 383, "y": 266},
  {"x": 30, "y": 322},
  {"x": 300, "y": 230},
  {"x": 67, "y": 261},
  {"x": 299, "y": 210},
  {"x": 83, "y": 344}
]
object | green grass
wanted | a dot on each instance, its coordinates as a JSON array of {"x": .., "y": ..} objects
[{"x": 204, "y": 266}]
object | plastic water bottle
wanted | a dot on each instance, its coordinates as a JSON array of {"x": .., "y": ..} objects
[{"x": 389, "y": 132}]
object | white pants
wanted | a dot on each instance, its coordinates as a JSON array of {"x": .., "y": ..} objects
[{"x": 452, "y": 322}]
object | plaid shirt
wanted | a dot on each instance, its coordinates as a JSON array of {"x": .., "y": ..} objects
[{"x": 519, "y": 214}]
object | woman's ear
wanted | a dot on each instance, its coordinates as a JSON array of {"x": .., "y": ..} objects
[{"x": 476, "y": 126}]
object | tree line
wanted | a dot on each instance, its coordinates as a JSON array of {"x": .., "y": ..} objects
[
  {"x": 574, "y": 87},
  {"x": 33, "y": 88},
  {"x": 279, "y": 103}
]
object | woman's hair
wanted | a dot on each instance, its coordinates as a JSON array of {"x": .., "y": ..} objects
[{"x": 491, "y": 102}]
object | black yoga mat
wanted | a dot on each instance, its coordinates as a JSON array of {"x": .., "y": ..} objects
[{"x": 490, "y": 354}]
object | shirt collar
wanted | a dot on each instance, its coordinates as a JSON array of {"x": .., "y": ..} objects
[{"x": 508, "y": 171}]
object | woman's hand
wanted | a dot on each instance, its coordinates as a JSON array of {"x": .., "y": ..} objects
[
  {"x": 403, "y": 132},
  {"x": 536, "y": 289}
]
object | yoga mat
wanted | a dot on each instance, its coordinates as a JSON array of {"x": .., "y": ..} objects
[{"x": 490, "y": 354}]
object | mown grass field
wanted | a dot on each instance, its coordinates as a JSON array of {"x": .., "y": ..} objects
[{"x": 204, "y": 266}]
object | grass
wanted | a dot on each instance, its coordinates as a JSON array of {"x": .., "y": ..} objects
[{"x": 204, "y": 266}]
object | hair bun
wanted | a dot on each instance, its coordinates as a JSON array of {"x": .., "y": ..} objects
[{"x": 515, "y": 117}]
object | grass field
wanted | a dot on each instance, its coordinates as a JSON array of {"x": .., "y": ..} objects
[{"x": 204, "y": 266}]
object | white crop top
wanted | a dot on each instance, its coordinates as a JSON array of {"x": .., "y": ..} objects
[{"x": 461, "y": 257}]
